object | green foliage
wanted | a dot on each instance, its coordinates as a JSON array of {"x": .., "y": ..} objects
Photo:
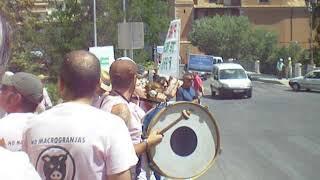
[
  {"x": 52, "y": 89},
  {"x": 154, "y": 14},
  {"x": 70, "y": 26},
  {"x": 262, "y": 44},
  {"x": 23, "y": 25},
  {"x": 233, "y": 37},
  {"x": 294, "y": 50}
]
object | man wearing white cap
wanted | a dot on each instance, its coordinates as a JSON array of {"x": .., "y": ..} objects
[{"x": 280, "y": 66}]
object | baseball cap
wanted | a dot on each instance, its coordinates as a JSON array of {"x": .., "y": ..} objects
[
  {"x": 125, "y": 59},
  {"x": 28, "y": 85}
]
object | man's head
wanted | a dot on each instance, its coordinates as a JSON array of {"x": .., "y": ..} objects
[
  {"x": 187, "y": 80},
  {"x": 79, "y": 75},
  {"x": 123, "y": 74},
  {"x": 21, "y": 92}
]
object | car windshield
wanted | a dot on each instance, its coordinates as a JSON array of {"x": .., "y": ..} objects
[{"x": 232, "y": 74}]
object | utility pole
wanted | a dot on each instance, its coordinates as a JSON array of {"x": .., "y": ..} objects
[
  {"x": 124, "y": 21},
  {"x": 311, "y": 6},
  {"x": 95, "y": 23}
]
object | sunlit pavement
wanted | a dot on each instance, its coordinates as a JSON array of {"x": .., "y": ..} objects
[{"x": 273, "y": 135}]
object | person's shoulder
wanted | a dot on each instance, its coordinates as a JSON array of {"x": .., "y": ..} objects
[
  {"x": 17, "y": 117},
  {"x": 21, "y": 164}
]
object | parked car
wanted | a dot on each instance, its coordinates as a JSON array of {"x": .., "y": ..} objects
[
  {"x": 311, "y": 81},
  {"x": 230, "y": 79}
]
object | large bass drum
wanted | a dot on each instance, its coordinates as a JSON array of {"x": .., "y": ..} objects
[{"x": 191, "y": 141}]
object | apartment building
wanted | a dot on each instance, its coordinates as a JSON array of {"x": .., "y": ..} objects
[{"x": 289, "y": 18}]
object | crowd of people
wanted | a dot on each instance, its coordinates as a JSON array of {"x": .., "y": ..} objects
[{"x": 97, "y": 131}]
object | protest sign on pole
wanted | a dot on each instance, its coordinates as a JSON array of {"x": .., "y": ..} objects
[
  {"x": 170, "y": 59},
  {"x": 105, "y": 54}
]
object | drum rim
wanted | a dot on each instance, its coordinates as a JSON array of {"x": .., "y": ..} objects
[{"x": 217, "y": 150}]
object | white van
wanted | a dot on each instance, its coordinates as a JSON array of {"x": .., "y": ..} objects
[
  {"x": 230, "y": 79},
  {"x": 217, "y": 60}
]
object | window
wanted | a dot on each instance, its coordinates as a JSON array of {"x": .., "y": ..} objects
[
  {"x": 264, "y": 1},
  {"x": 232, "y": 74}
]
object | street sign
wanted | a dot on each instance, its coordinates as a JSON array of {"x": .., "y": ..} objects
[
  {"x": 131, "y": 35},
  {"x": 169, "y": 64},
  {"x": 105, "y": 54}
]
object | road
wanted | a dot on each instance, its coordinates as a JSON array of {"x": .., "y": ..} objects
[{"x": 274, "y": 135}]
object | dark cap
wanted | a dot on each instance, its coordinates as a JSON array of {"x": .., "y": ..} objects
[{"x": 28, "y": 85}]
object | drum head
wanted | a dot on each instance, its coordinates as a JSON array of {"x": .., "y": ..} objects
[{"x": 190, "y": 147}]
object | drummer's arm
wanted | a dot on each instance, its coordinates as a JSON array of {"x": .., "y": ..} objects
[
  {"x": 153, "y": 139},
  {"x": 120, "y": 176},
  {"x": 140, "y": 148}
]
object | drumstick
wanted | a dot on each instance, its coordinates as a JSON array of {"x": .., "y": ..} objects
[{"x": 184, "y": 115}]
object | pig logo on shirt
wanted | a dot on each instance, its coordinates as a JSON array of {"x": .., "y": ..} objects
[
  {"x": 56, "y": 163},
  {"x": 54, "y": 167}
]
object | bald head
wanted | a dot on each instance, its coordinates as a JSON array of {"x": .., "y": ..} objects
[
  {"x": 80, "y": 73},
  {"x": 123, "y": 73}
]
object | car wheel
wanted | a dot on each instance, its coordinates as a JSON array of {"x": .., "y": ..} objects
[
  {"x": 249, "y": 93},
  {"x": 219, "y": 94},
  {"x": 308, "y": 90},
  {"x": 295, "y": 86},
  {"x": 213, "y": 93}
]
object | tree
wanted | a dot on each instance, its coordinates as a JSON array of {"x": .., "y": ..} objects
[
  {"x": 262, "y": 44},
  {"x": 70, "y": 26},
  {"x": 221, "y": 35},
  {"x": 22, "y": 23},
  {"x": 232, "y": 37}
]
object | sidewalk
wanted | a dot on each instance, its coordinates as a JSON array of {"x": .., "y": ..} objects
[{"x": 268, "y": 78}]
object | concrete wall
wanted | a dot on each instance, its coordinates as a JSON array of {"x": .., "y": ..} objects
[
  {"x": 274, "y": 3},
  {"x": 291, "y": 24}
]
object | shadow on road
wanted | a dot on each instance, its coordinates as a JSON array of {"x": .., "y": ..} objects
[
  {"x": 303, "y": 91},
  {"x": 234, "y": 97}
]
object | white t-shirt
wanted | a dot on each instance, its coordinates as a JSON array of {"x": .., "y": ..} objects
[
  {"x": 77, "y": 141},
  {"x": 11, "y": 129},
  {"x": 134, "y": 125},
  {"x": 16, "y": 166},
  {"x": 2, "y": 113}
]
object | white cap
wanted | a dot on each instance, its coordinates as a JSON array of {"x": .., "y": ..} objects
[
  {"x": 5, "y": 77},
  {"x": 125, "y": 58}
]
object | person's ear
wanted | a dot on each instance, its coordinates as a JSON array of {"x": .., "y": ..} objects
[{"x": 14, "y": 99}]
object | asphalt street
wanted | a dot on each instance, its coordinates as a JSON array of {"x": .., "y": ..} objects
[{"x": 274, "y": 135}]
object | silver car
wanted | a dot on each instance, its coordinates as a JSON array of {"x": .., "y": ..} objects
[{"x": 311, "y": 81}]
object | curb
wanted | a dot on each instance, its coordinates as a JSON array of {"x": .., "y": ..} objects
[{"x": 271, "y": 81}]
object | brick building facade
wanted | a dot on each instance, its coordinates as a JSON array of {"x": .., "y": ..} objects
[{"x": 289, "y": 18}]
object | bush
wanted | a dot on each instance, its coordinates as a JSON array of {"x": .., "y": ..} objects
[{"x": 52, "y": 89}]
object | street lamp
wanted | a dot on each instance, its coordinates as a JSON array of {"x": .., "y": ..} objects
[
  {"x": 95, "y": 23},
  {"x": 311, "y": 6}
]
